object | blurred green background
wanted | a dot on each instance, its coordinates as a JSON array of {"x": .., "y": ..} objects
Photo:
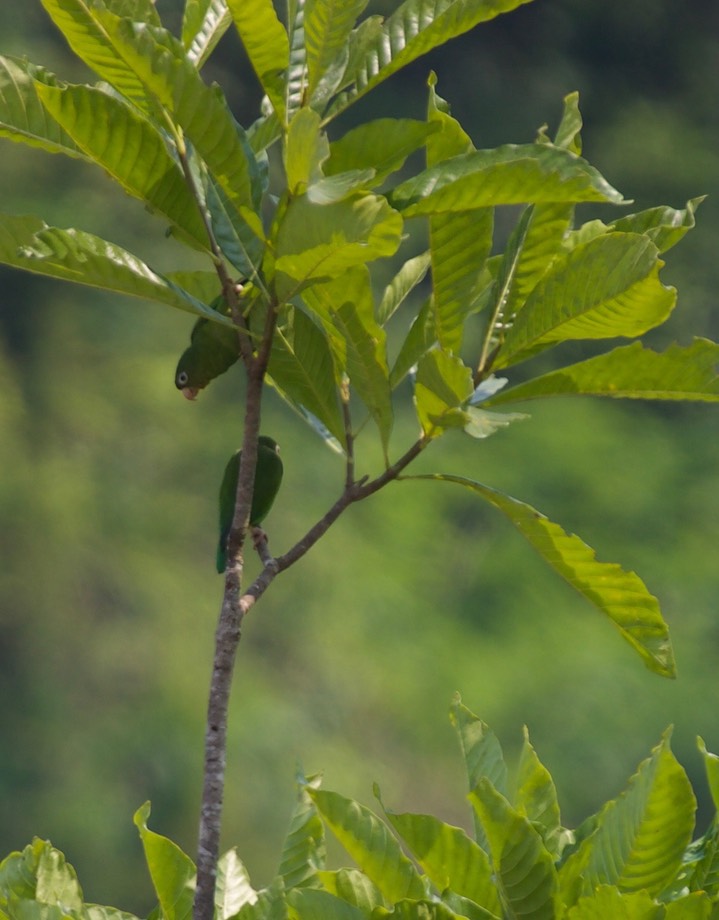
[{"x": 108, "y": 596}]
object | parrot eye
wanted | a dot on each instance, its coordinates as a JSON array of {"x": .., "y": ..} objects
[{"x": 182, "y": 378}]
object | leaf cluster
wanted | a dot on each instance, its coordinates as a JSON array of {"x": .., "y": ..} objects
[
  {"x": 634, "y": 858},
  {"x": 301, "y": 251}
]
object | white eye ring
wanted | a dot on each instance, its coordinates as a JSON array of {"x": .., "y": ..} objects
[{"x": 182, "y": 378}]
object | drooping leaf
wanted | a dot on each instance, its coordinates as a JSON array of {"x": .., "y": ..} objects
[
  {"x": 601, "y": 289},
  {"x": 296, "y": 82},
  {"x": 370, "y": 844},
  {"x": 328, "y": 24},
  {"x": 621, "y": 595},
  {"x": 170, "y": 869},
  {"x": 523, "y": 867},
  {"x": 443, "y": 385},
  {"x": 664, "y": 226},
  {"x": 512, "y": 174},
  {"x": 72, "y": 255},
  {"x": 383, "y": 144},
  {"x": 535, "y": 797},
  {"x": 233, "y": 888},
  {"x": 128, "y": 147},
  {"x": 641, "y": 836},
  {"x": 323, "y": 241},
  {"x": 204, "y": 22},
  {"x": 267, "y": 45},
  {"x": 631, "y": 372},
  {"x": 449, "y": 857},
  {"x": 416, "y": 27},
  {"x": 23, "y": 117},
  {"x": 301, "y": 364}
]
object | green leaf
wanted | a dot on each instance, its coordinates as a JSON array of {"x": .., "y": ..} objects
[
  {"x": 329, "y": 189},
  {"x": 238, "y": 234},
  {"x": 415, "y": 28},
  {"x": 641, "y": 836},
  {"x": 420, "y": 337},
  {"x": 411, "y": 274},
  {"x": 204, "y": 22},
  {"x": 296, "y": 82},
  {"x": 512, "y": 174},
  {"x": 460, "y": 242},
  {"x": 354, "y": 887},
  {"x": 311, "y": 904},
  {"x": 323, "y": 241},
  {"x": 607, "y": 901},
  {"x": 303, "y": 850},
  {"x": 422, "y": 909},
  {"x": 128, "y": 147},
  {"x": 621, "y": 595},
  {"x": 383, "y": 144},
  {"x": 301, "y": 364},
  {"x": 328, "y": 24},
  {"x": 158, "y": 60},
  {"x": 482, "y": 754},
  {"x": 601, "y": 289},
  {"x": 711, "y": 767},
  {"x": 631, "y": 372},
  {"x": 72, "y": 255},
  {"x": 23, "y": 117},
  {"x": 233, "y": 888},
  {"x": 306, "y": 149},
  {"x": 664, "y": 226},
  {"x": 271, "y": 904},
  {"x": 171, "y": 871},
  {"x": 370, "y": 844},
  {"x": 536, "y": 798},
  {"x": 267, "y": 46},
  {"x": 695, "y": 906},
  {"x": 524, "y": 869},
  {"x": 87, "y": 35},
  {"x": 449, "y": 857},
  {"x": 442, "y": 385}
]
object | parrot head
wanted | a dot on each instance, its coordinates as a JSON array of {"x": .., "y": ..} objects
[{"x": 189, "y": 378}]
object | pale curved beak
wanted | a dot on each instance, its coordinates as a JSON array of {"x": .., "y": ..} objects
[{"x": 190, "y": 392}]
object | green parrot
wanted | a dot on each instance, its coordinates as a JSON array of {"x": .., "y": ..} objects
[
  {"x": 213, "y": 349},
  {"x": 268, "y": 476}
]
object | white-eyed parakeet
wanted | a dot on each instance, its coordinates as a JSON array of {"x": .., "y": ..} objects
[
  {"x": 213, "y": 349},
  {"x": 268, "y": 476}
]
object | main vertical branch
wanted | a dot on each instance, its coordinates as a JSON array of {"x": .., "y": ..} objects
[{"x": 227, "y": 638}]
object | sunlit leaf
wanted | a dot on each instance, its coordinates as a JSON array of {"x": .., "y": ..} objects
[
  {"x": 370, "y": 844},
  {"x": 512, "y": 174},
  {"x": 328, "y": 24},
  {"x": 204, "y": 22},
  {"x": 535, "y": 797},
  {"x": 267, "y": 45},
  {"x": 607, "y": 901},
  {"x": 641, "y": 836},
  {"x": 443, "y": 384},
  {"x": 23, "y": 117},
  {"x": 354, "y": 887},
  {"x": 306, "y": 148},
  {"x": 171, "y": 871},
  {"x": 128, "y": 147},
  {"x": 411, "y": 274},
  {"x": 421, "y": 336},
  {"x": 233, "y": 888},
  {"x": 631, "y": 372},
  {"x": 313, "y": 904},
  {"x": 621, "y": 595},
  {"x": 664, "y": 226},
  {"x": 383, "y": 144},
  {"x": 72, "y": 255},
  {"x": 601, "y": 289},
  {"x": 523, "y": 868},
  {"x": 449, "y": 857}
]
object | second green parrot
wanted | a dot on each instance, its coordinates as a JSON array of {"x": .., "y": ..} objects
[
  {"x": 268, "y": 477},
  {"x": 213, "y": 349}
]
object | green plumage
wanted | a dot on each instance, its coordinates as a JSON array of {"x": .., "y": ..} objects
[
  {"x": 268, "y": 476},
  {"x": 213, "y": 349}
]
